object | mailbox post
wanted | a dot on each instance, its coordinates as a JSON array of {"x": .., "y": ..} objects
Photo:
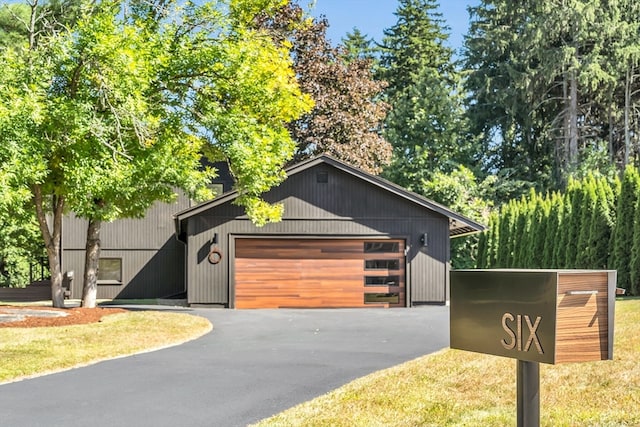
[{"x": 534, "y": 316}]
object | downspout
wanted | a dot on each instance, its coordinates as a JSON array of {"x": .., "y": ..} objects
[{"x": 177, "y": 224}]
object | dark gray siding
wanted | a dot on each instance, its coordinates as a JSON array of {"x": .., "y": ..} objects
[
  {"x": 345, "y": 206},
  {"x": 152, "y": 258}
]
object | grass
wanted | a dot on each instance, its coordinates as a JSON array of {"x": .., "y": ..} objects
[
  {"x": 457, "y": 388},
  {"x": 29, "y": 352}
]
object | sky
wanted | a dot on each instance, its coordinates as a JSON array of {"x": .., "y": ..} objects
[{"x": 371, "y": 17}]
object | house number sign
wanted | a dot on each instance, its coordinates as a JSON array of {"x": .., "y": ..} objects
[{"x": 510, "y": 315}]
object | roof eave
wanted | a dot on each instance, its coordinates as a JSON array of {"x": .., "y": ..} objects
[{"x": 374, "y": 180}]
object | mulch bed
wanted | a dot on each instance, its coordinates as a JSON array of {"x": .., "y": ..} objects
[{"x": 75, "y": 316}]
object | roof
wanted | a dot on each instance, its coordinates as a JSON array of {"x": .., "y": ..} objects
[{"x": 459, "y": 225}]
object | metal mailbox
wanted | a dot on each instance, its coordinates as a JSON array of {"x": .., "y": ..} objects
[{"x": 547, "y": 316}]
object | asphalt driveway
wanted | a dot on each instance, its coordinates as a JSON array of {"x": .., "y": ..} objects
[{"x": 255, "y": 363}]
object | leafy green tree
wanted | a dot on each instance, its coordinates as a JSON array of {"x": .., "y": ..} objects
[
  {"x": 623, "y": 237},
  {"x": 20, "y": 242},
  {"x": 22, "y": 23},
  {"x": 110, "y": 115},
  {"x": 460, "y": 192},
  {"x": 20, "y": 245}
]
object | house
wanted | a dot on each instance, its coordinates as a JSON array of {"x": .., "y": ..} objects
[{"x": 346, "y": 239}]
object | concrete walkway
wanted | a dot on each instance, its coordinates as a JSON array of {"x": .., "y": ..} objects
[{"x": 254, "y": 364}]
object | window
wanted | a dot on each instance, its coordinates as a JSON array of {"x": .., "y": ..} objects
[
  {"x": 217, "y": 188},
  {"x": 391, "y": 298},
  {"x": 382, "y": 264},
  {"x": 110, "y": 270},
  {"x": 377, "y": 247},
  {"x": 381, "y": 280}
]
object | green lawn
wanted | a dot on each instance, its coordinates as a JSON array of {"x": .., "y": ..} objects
[
  {"x": 457, "y": 388},
  {"x": 33, "y": 351}
]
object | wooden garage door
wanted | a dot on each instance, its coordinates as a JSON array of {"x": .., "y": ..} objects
[{"x": 314, "y": 273}]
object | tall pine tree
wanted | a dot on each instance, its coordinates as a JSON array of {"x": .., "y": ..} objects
[{"x": 424, "y": 125}]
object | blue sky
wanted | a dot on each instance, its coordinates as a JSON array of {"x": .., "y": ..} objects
[{"x": 371, "y": 17}]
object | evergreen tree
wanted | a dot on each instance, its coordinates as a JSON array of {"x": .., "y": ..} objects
[
  {"x": 623, "y": 237},
  {"x": 539, "y": 236},
  {"x": 562, "y": 233},
  {"x": 634, "y": 267},
  {"x": 601, "y": 226},
  {"x": 358, "y": 46},
  {"x": 574, "y": 223},
  {"x": 424, "y": 124},
  {"x": 493, "y": 241},
  {"x": 554, "y": 224},
  {"x": 504, "y": 241},
  {"x": 483, "y": 246},
  {"x": 554, "y": 85},
  {"x": 589, "y": 202},
  {"x": 523, "y": 232}
]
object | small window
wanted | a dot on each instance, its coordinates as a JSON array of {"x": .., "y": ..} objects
[
  {"x": 391, "y": 298},
  {"x": 217, "y": 188},
  {"x": 377, "y": 247},
  {"x": 382, "y": 264},
  {"x": 322, "y": 177},
  {"x": 110, "y": 270},
  {"x": 381, "y": 280}
]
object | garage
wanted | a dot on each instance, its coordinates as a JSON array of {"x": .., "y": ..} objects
[
  {"x": 346, "y": 239},
  {"x": 315, "y": 273}
]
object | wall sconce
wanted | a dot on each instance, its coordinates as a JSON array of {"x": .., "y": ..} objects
[{"x": 424, "y": 239}]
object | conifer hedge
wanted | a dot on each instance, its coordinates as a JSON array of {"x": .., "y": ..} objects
[{"x": 594, "y": 224}]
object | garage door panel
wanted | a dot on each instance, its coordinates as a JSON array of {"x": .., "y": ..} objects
[{"x": 272, "y": 273}]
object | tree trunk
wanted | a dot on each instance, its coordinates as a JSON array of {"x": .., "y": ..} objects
[
  {"x": 92, "y": 255},
  {"x": 627, "y": 108},
  {"x": 573, "y": 121},
  {"x": 565, "y": 127},
  {"x": 52, "y": 241}
]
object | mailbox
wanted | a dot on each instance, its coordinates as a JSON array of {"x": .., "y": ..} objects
[{"x": 547, "y": 316}]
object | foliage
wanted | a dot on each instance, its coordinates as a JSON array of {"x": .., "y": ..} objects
[
  {"x": 19, "y": 240},
  {"x": 107, "y": 116},
  {"x": 424, "y": 125},
  {"x": 347, "y": 117},
  {"x": 623, "y": 234},
  {"x": 553, "y": 87},
  {"x": 577, "y": 229},
  {"x": 358, "y": 46},
  {"x": 459, "y": 192}
]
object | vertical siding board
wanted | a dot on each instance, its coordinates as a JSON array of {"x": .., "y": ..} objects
[
  {"x": 345, "y": 206},
  {"x": 153, "y": 260},
  {"x": 209, "y": 284}
]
